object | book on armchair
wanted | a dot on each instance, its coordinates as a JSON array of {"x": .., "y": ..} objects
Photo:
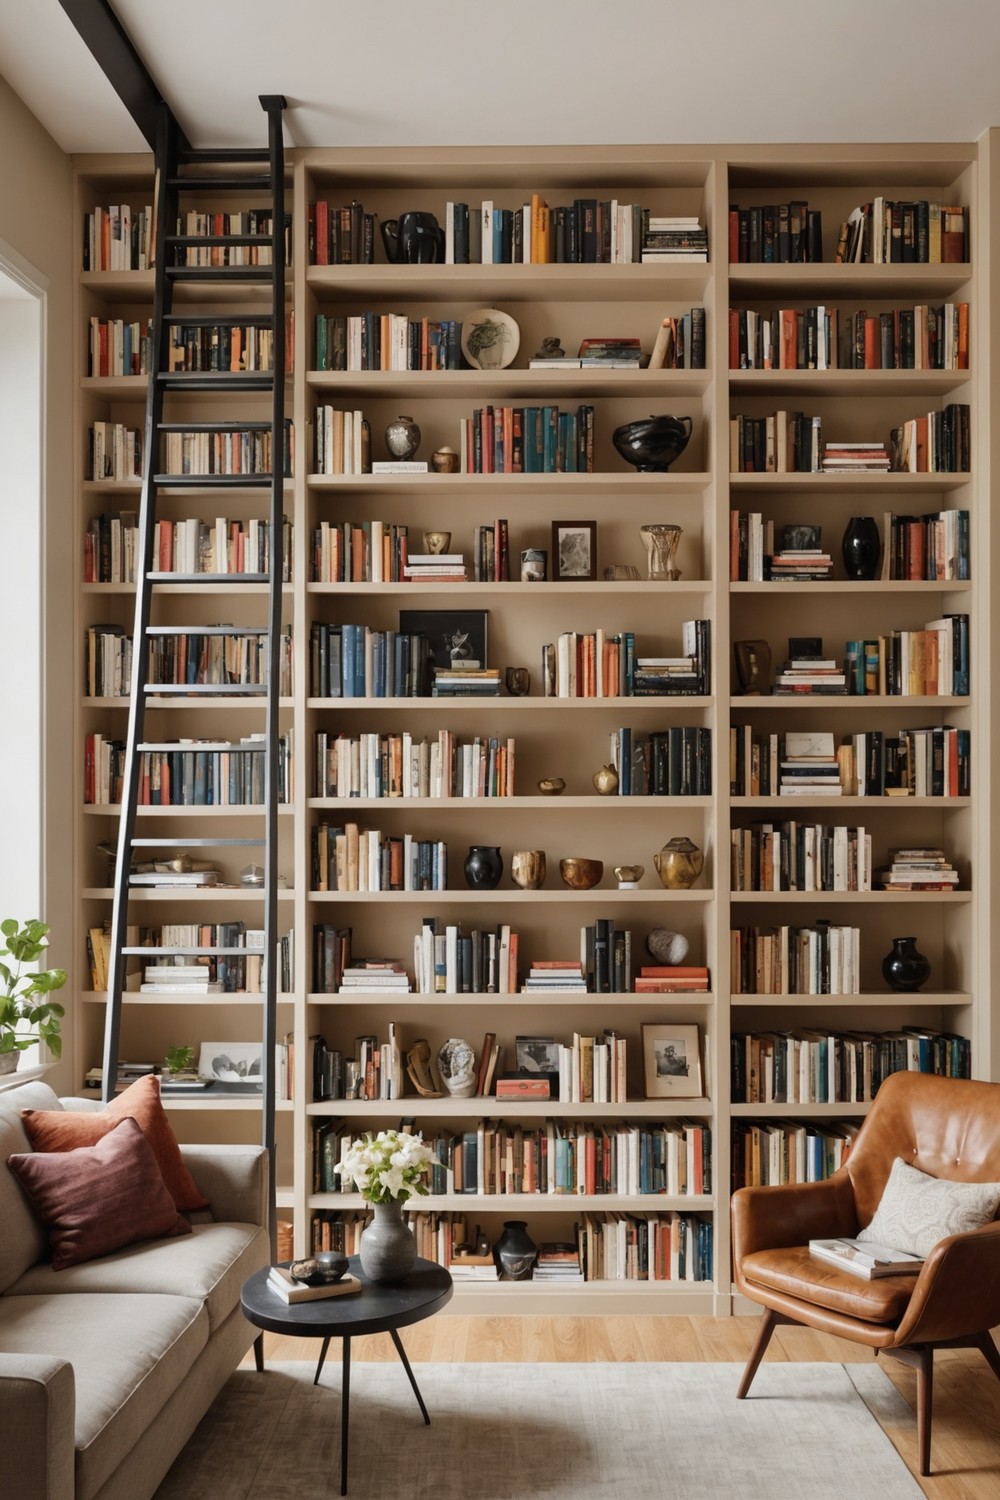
[{"x": 864, "y": 1259}]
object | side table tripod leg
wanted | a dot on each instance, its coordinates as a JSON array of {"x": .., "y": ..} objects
[
  {"x": 258, "y": 1351},
  {"x": 322, "y": 1357},
  {"x": 409, "y": 1373},
  {"x": 345, "y": 1412}
]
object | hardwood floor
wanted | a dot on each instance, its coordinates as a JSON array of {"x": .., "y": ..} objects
[{"x": 966, "y": 1434}]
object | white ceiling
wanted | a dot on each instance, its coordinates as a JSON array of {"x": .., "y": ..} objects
[{"x": 479, "y": 72}]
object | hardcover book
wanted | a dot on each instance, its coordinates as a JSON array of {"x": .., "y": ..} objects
[{"x": 864, "y": 1259}]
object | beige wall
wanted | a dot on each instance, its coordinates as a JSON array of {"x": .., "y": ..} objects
[{"x": 36, "y": 223}]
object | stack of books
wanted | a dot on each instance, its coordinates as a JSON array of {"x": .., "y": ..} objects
[
  {"x": 174, "y": 979},
  {"x": 555, "y": 974},
  {"x": 667, "y": 674},
  {"x": 473, "y": 1268},
  {"x": 800, "y": 563},
  {"x": 815, "y": 675},
  {"x": 375, "y": 976},
  {"x": 611, "y": 354},
  {"x": 810, "y": 766},
  {"x": 669, "y": 979},
  {"x": 844, "y": 458},
  {"x": 435, "y": 567},
  {"x": 466, "y": 682},
  {"x": 673, "y": 238},
  {"x": 918, "y": 870},
  {"x": 163, "y": 875},
  {"x": 866, "y": 1259},
  {"x": 283, "y": 1284},
  {"x": 557, "y": 1262}
]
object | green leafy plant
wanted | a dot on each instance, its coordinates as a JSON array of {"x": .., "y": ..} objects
[
  {"x": 179, "y": 1059},
  {"x": 23, "y": 1001}
]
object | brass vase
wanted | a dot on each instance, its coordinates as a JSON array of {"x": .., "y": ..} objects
[{"x": 679, "y": 863}]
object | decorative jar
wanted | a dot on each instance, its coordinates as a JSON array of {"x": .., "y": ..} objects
[
  {"x": 387, "y": 1249},
  {"x": 483, "y": 867},
  {"x": 661, "y": 543},
  {"x": 515, "y": 1251},
  {"x": 903, "y": 968},
  {"x": 861, "y": 548},
  {"x": 402, "y": 438},
  {"x": 679, "y": 864}
]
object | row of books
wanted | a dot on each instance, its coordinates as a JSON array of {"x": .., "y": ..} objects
[
  {"x": 219, "y": 546},
  {"x": 782, "y": 233},
  {"x": 376, "y": 764},
  {"x": 491, "y": 552},
  {"x": 201, "y": 657},
  {"x": 610, "y": 1247},
  {"x": 528, "y": 440},
  {"x": 674, "y": 762},
  {"x": 340, "y": 234},
  {"x": 594, "y": 1068},
  {"x": 387, "y": 341},
  {"x": 107, "y": 662},
  {"x": 884, "y": 231},
  {"x": 813, "y": 1066},
  {"x": 358, "y": 552},
  {"x": 226, "y": 450},
  {"x": 354, "y": 661},
  {"x": 595, "y": 664},
  {"x": 349, "y": 858},
  {"x": 768, "y": 1152},
  {"x": 784, "y": 442},
  {"x": 924, "y": 337},
  {"x": 920, "y": 762},
  {"x": 930, "y": 662},
  {"x": 756, "y": 555},
  {"x": 252, "y": 224},
  {"x": 114, "y": 451},
  {"x": 448, "y": 961},
  {"x": 672, "y": 238},
  {"x": 824, "y": 959},
  {"x": 187, "y": 773},
  {"x": 119, "y": 347},
  {"x": 341, "y": 441},
  {"x": 586, "y": 231},
  {"x": 793, "y": 856},
  {"x": 111, "y": 548},
  {"x": 118, "y": 237},
  {"x": 229, "y": 346},
  {"x": 232, "y": 972},
  {"x": 556, "y": 1157},
  {"x": 933, "y": 546},
  {"x": 938, "y": 443}
]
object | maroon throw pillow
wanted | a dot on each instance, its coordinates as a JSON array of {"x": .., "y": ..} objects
[{"x": 99, "y": 1198}]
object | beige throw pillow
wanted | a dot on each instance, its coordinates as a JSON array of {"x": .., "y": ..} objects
[{"x": 916, "y": 1211}]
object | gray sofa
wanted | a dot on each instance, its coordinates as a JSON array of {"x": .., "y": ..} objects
[{"x": 107, "y": 1367}]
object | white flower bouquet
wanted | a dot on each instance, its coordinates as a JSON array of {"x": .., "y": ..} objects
[{"x": 389, "y": 1167}]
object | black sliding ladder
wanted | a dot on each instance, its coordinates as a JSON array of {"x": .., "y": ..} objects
[{"x": 184, "y": 174}]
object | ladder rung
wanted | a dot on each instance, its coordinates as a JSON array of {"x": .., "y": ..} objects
[
  {"x": 211, "y": 320},
  {"x": 255, "y": 274},
  {"x": 262, "y": 481},
  {"x": 193, "y": 952},
  {"x": 234, "y": 425},
  {"x": 208, "y": 578},
  {"x": 228, "y": 630},
  {"x": 256, "y": 746},
  {"x": 205, "y": 240},
  {"x": 204, "y": 689},
  {"x": 221, "y": 154},
  {"x": 216, "y": 380},
  {"x": 192, "y": 843}
]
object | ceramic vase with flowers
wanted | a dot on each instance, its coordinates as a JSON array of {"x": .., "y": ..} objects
[{"x": 386, "y": 1169}]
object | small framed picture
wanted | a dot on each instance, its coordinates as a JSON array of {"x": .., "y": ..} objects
[
  {"x": 671, "y": 1056},
  {"x": 232, "y": 1062},
  {"x": 457, "y": 636},
  {"x": 536, "y": 1054},
  {"x": 574, "y": 549}
]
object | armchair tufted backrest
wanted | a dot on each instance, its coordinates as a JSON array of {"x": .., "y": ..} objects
[{"x": 947, "y": 1127}]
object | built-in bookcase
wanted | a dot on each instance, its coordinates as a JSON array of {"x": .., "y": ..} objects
[{"x": 571, "y": 737}]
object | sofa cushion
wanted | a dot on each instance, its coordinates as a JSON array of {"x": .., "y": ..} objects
[
  {"x": 212, "y": 1264},
  {"x": 129, "y": 1355},
  {"x": 99, "y": 1198},
  {"x": 916, "y": 1210},
  {"x": 64, "y": 1129},
  {"x": 22, "y": 1235}
]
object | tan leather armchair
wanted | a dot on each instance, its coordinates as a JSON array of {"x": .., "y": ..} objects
[{"x": 948, "y": 1128}]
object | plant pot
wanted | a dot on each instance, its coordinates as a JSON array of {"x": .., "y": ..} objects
[
  {"x": 387, "y": 1248},
  {"x": 903, "y": 968},
  {"x": 8, "y": 1062}
]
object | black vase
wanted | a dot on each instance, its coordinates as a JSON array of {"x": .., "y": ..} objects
[
  {"x": 483, "y": 867},
  {"x": 515, "y": 1251},
  {"x": 903, "y": 968},
  {"x": 861, "y": 547}
]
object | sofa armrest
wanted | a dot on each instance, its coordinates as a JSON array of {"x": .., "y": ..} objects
[
  {"x": 774, "y": 1218},
  {"x": 234, "y": 1179},
  {"x": 38, "y": 1414}
]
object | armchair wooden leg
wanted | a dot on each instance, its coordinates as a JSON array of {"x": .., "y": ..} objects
[
  {"x": 921, "y": 1357},
  {"x": 984, "y": 1343},
  {"x": 769, "y": 1321}
]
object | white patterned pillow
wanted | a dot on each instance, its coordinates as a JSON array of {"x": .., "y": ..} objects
[{"x": 916, "y": 1211}]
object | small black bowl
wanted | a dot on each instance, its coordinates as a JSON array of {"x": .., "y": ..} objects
[
  {"x": 322, "y": 1268},
  {"x": 653, "y": 443}
]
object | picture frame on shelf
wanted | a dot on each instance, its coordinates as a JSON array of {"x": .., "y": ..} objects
[
  {"x": 536, "y": 1054},
  {"x": 457, "y": 636},
  {"x": 233, "y": 1063},
  {"x": 671, "y": 1059},
  {"x": 574, "y": 550}
]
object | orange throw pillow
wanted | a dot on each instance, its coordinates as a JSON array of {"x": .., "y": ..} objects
[
  {"x": 64, "y": 1130},
  {"x": 96, "y": 1199}
]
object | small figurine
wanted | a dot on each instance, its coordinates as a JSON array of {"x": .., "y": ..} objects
[{"x": 551, "y": 349}]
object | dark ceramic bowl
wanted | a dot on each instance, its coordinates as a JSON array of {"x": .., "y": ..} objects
[
  {"x": 325, "y": 1266},
  {"x": 653, "y": 443}
]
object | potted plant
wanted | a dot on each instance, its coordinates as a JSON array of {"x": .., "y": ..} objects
[
  {"x": 386, "y": 1169},
  {"x": 178, "y": 1063},
  {"x": 23, "y": 998}
]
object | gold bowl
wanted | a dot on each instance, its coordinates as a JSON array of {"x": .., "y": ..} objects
[
  {"x": 581, "y": 874},
  {"x": 551, "y": 786},
  {"x": 629, "y": 875}
]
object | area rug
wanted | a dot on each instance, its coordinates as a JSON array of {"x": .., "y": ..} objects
[{"x": 562, "y": 1431}]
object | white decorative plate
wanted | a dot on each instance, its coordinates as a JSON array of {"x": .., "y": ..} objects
[{"x": 490, "y": 339}]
